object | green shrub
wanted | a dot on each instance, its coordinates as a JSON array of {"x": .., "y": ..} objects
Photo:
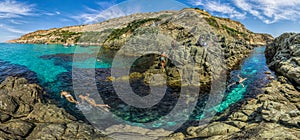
[
  {"x": 212, "y": 22},
  {"x": 115, "y": 34},
  {"x": 232, "y": 31}
]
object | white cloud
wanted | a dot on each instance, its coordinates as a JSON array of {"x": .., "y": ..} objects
[
  {"x": 12, "y": 29},
  {"x": 13, "y": 9},
  {"x": 196, "y": 2},
  {"x": 268, "y": 11},
  {"x": 115, "y": 11},
  {"x": 51, "y": 13},
  {"x": 271, "y": 11},
  {"x": 223, "y": 8},
  {"x": 18, "y": 22}
]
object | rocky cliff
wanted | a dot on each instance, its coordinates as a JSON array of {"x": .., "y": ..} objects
[
  {"x": 283, "y": 56},
  {"x": 115, "y": 31}
]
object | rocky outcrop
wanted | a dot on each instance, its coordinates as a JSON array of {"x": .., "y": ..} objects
[
  {"x": 24, "y": 114},
  {"x": 193, "y": 40},
  {"x": 283, "y": 56},
  {"x": 275, "y": 114}
]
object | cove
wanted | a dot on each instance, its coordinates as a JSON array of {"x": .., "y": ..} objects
[{"x": 51, "y": 67}]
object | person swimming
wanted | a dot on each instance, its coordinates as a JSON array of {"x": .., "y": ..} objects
[
  {"x": 92, "y": 102},
  {"x": 68, "y": 96},
  {"x": 89, "y": 100},
  {"x": 241, "y": 80}
]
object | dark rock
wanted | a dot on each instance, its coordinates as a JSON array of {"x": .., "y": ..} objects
[
  {"x": 4, "y": 117},
  {"x": 48, "y": 131},
  {"x": 19, "y": 128},
  {"x": 8, "y": 104},
  {"x": 50, "y": 114}
]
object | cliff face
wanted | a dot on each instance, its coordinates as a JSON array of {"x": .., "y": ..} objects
[
  {"x": 115, "y": 32},
  {"x": 283, "y": 55}
]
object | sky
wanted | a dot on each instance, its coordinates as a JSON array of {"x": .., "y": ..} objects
[{"x": 18, "y": 17}]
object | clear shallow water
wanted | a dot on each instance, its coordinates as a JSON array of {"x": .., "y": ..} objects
[
  {"x": 253, "y": 68},
  {"x": 47, "y": 69},
  {"x": 51, "y": 67},
  {"x": 48, "y": 62}
]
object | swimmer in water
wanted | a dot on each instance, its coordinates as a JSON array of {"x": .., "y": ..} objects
[
  {"x": 241, "y": 80},
  {"x": 68, "y": 96},
  {"x": 93, "y": 103}
]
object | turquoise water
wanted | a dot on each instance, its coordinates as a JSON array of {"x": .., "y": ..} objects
[
  {"x": 29, "y": 55},
  {"x": 51, "y": 67},
  {"x": 253, "y": 68}
]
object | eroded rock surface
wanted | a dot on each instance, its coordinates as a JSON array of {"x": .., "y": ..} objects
[{"x": 283, "y": 56}]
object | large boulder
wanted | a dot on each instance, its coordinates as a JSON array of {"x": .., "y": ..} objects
[
  {"x": 17, "y": 128},
  {"x": 214, "y": 129}
]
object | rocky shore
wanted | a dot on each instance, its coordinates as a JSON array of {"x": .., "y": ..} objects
[
  {"x": 273, "y": 114},
  {"x": 25, "y": 114}
]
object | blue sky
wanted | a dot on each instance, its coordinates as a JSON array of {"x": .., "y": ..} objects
[{"x": 18, "y": 17}]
